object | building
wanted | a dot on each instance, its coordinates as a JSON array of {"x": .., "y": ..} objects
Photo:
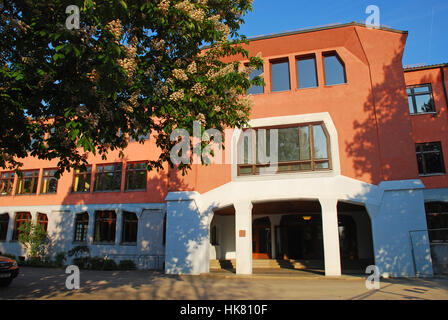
[{"x": 360, "y": 178}]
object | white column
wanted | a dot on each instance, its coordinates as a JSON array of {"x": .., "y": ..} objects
[
  {"x": 330, "y": 232},
  {"x": 243, "y": 237},
  {"x": 91, "y": 227},
  {"x": 12, "y": 217},
  {"x": 119, "y": 227},
  {"x": 33, "y": 217}
]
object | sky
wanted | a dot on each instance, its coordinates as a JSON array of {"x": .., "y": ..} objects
[{"x": 425, "y": 20}]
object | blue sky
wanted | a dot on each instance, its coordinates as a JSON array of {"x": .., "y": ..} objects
[{"x": 426, "y": 21}]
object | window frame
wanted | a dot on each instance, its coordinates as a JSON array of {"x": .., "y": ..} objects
[
  {"x": 128, "y": 171},
  {"x": 9, "y": 182},
  {"x": 338, "y": 57},
  {"x": 278, "y": 61},
  {"x": 214, "y": 236},
  {"x": 246, "y": 65},
  {"x": 34, "y": 181},
  {"x": 437, "y": 221},
  {"x": 312, "y": 159},
  {"x": 307, "y": 57},
  {"x": 116, "y": 172},
  {"x": 4, "y": 221},
  {"x": 81, "y": 219},
  {"x": 82, "y": 173},
  {"x": 100, "y": 222},
  {"x": 49, "y": 177},
  {"x": 42, "y": 219},
  {"x": 141, "y": 138},
  {"x": 18, "y": 221},
  {"x": 442, "y": 161},
  {"x": 127, "y": 228},
  {"x": 413, "y": 95}
]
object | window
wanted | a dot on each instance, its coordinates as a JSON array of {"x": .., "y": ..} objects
[
  {"x": 27, "y": 184},
  {"x": 334, "y": 70},
  {"x": 4, "y": 222},
  {"x": 430, "y": 158},
  {"x": 6, "y": 183},
  {"x": 140, "y": 137},
  {"x": 303, "y": 147},
  {"x": 306, "y": 72},
  {"x": 49, "y": 181},
  {"x": 437, "y": 221},
  {"x": 81, "y": 227},
  {"x": 108, "y": 177},
  {"x": 130, "y": 226},
  {"x": 81, "y": 180},
  {"x": 42, "y": 219},
  {"x": 256, "y": 89},
  {"x": 105, "y": 225},
  {"x": 136, "y": 176},
  {"x": 20, "y": 219},
  {"x": 420, "y": 99},
  {"x": 214, "y": 236},
  {"x": 280, "y": 76}
]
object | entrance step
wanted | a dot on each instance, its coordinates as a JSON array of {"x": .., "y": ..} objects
[{"x": 269, "y": 264}]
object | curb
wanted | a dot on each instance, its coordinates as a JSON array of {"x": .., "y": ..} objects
[{"x": 281, "y": 277}]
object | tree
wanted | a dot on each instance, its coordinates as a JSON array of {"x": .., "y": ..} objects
[
  {"x": 131, "y": 68},
  {"x": 34, "y": 239}
]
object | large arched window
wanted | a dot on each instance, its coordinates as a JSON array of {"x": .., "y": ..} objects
[
  {"x": 300, "y": 147},
  {"x": 42, "y": 219},
  {"x": 81, "y": 227},
  {"x": 130, "y": 227},
  {"x": 4, "y": 222},
  {"x": 20, "y": 219},
  {"x": 105, "y": 226}
]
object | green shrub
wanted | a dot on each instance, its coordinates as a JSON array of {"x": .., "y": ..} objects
[
  {"x": 127, "y": 265},
  {"x": 81, "y": 263},
  {"x": 36, "y": 262},
  {"x": 79, "y": 251},
  {"x": 34, "y": 239},
  {"x": 109, "y": 265},
  {"x": 95, "y": 263},
  {"x": 59, "y": 259}
]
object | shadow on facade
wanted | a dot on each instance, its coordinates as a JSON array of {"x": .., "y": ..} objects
[{"x": 382, "y": 149}]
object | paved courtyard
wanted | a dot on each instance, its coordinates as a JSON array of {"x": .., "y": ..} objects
[{"x": 42, "y": 283}]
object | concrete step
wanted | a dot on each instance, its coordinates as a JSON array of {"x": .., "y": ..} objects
[{"x": 268, "y": 263}]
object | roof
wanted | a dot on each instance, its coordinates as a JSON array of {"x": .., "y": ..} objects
[
  {"x": 326, "y": 27},
  {"x": 431, "y": 66}
]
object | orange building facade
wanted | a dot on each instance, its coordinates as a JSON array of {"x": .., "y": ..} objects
[{"x": 359, "y": 176}]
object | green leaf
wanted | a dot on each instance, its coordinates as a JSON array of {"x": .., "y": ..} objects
[
  {"x": 58, "y": 56},
  {"x": 123, "y": 4}
]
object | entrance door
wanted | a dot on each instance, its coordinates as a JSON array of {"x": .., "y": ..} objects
[{"x": 261, "y": 235}]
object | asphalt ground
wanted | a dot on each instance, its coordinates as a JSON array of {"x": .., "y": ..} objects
[{"x": 48, "y": 284}]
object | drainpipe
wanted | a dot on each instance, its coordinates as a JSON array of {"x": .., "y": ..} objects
[{"x": 444, "y": 85}]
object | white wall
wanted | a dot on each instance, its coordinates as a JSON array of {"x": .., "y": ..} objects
[
  {"x": 226, "y": 237},
  {"x": 61, "y": 229}
]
